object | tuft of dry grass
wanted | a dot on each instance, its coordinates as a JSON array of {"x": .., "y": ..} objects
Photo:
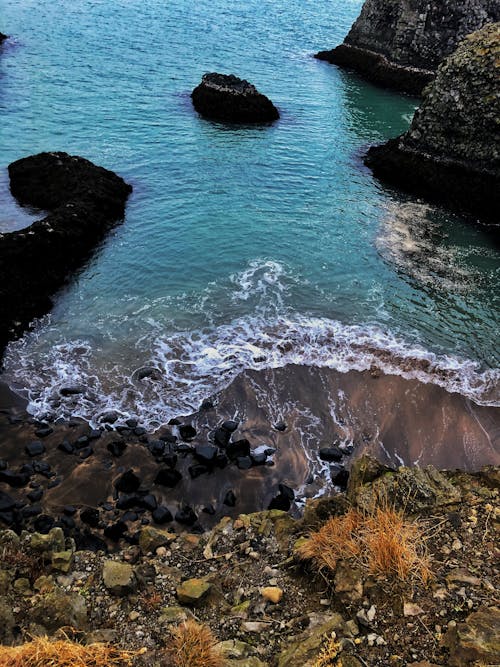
[
  {"x": 44, "y": 652},
  {"x": 383, "y": 541},
  {"x": 193, "y": 645},
  {"x": 328, "y": 656}
]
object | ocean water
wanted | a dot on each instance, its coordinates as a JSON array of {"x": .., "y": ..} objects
[{"x": 242, "y": 247}]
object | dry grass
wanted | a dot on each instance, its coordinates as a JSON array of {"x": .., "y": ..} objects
[
  {"x": 13, "y": 557},
  {"x": 328, "y": 656},
  {"x": 44, "y": 652},
  {"x": 193, "y": 645},
  {"x": 383, "y": 541}
]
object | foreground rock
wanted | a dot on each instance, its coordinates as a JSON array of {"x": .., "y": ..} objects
[
  {"x": 451, "y": 153},
  {"x": 400, "y": 44},
  {"x": 226, "y": 97},
  {"x": 83, "y": 201}
]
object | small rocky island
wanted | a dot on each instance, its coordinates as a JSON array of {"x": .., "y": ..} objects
[
  {"x": 451, "y": 153},
  {"x": 400, "y": 44},
  {"x": 83, "y": 201},
  {"x": 226, "y": 97}
]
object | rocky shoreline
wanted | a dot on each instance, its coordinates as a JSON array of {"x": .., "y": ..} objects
[{"x": 244, "y": 580}]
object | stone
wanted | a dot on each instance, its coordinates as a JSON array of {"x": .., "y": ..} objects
[
  {"x": 238, "y": 448},
  {"x": 116, "y": 448},
  {"x": 128, "y": 482},
  {"x": 272, "y": 594},
  {"x": 7, "y": 621},
  {"x": 90, "y": 516},
  {"x": 151, "y": 538},
  {"x": 119, "y": 578},
  {"x": 53, "y": 541},
  {"x": 186, "y": 516},
  {"x": 412, "y": 609},
  {"x": 348, "y": 582},
  {"x": 226, "y": 97},
  {"x": 331, "y": 454},
  {"x": 173, "y": 615},
  {"x": 205, "y": 453},
  {"x": 229, "y": 499},
  {"x": 57, "y": 609},
  {"x": 230, "y": 425},
  {"x": 6, "y": 502},
  {"x": 162, "y": 515},
  {"x": 62, "y": 561},
  {"x": 187, "y": 432},
  {"x": 475, "y": 641},
  {"x": 168, "y": 477},
  {"x": 193, "y": 591},
  {"x": 299, "y": 650},
  {"x": 283, "y": 501},
  {"x": 35, "y": 448}
]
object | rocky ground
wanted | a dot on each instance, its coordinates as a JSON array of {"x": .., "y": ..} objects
[{"x": 244, "y": 580}]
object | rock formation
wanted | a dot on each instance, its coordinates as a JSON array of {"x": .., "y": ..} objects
[
  {"x": 400, "y": 43},
  {"x": 228, "y": 98},
  {"x": 3, "y": 37},
  {"x": 451, "y": 153},
  {"x": 83, "y": 201}
]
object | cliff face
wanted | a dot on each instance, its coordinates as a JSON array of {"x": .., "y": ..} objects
[
  {"x": 451, "y": 152},
  {"x": 400, "y": 43}
]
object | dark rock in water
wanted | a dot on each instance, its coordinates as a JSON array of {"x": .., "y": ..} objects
[
  {"x": 221, "y": 437},
  {"x": 43, "y": 523},
  {"x": 89, "y": 542},
  {"x": 197, "y": 469},
  {"x": 230, "y": 425},
  {"x": 123, "y": 430},
  {"x": 34, "y": 448},
  {"x": 174, "y": 421},
  {"x": 66, "y": 447},
  {"x": 331, "y": 454},
  {"x": 186, "y": 516},
  {"x": 3, "y": 37},
  {"x": 139, "y": 431},
  {"x": 205, "y": 454},
  {"x": 168, "y": 477},
  {"x": 85, "y": 453},
  {"x": 228, "y": 98},
  {"x": 90, "y": 516},
  {"x": 149, "y": 502},
  {"x": 31, "y": 511},
  {"x": 244, "y": 462},
  {"x": 147, "y": 372},
  {"x": 116, "y": 530},
  {"x": 238, "y": 448},
  {"x": 126, "y": 501},
  {"x": 162, "y": 515},
  {"x": 43, "y": 432},
  {"x": 69, "y": 510},
  {"x": 169, "y": 456},
  {"x": 156, "y": 447},
  {"x": 184, "y": 449},
  {"x": 6, "y": 502},
  {"x": 67, "y": 522},
  {"x": 43, "y": 468},
  {"x": 94, "y": 434},
  {"x": 72, "y": 390},
  {"x": 128, "y": 482},
  {"x": 109, "y": 417},
  {"x": 83, "y": 201},
  {"x": 169, "y": 437},
  {"x": 35, "y": 495},
  {"x": 209, "y": 509},
  {"x": 451, "y": 152},
  {"x": 206, "y": 405},
  {"x": 280, "y": 426},
  {"x": 283, "y": 500},
  {"x": 116, "y": 448},
  {"x": 258, "y": 458},
  {"x": 14, "y": 479},
  {"x": 221, "y": 460},
  {"x": 187, "y": 432},
  {"x": 230, "y": 499},
  {"x": 400, "y": 45},
  {"x": 132, "y": 423},
  {"x": 340, "y": 478}
]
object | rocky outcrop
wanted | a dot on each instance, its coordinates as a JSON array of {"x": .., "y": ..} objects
[
  {"x": 451, "y": 153},
  {"x": 400, "y": 43},
  {"x": 3, "y": 37},
  {"x": 228, "y": 98},
  {"x": 83, "y": 201}
]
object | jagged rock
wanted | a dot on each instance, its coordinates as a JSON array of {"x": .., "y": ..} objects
[
  {"x": 53, "y": 541},
  {"x": 228, "y": 98},
  {"x": 119, "y": 578},
  {"x": 400, "y": 44},
  {"x": 303, "y": 649},
  {"x": 58, "y": 609},
  {"x": 62, "y": 561},
  {"x": 192, "y": 591},
  {"x": 451, "y": 153},
  {"x": 348, "y": 582},
  {"x": 151, "y": 538},
  {"x": 83, "y": 201},
  {"x": 475, "y": 641}
]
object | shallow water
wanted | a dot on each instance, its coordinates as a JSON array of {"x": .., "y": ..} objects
[{"x": 242, "y": 247}]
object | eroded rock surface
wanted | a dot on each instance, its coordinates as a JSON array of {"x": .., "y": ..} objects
[
  {"x": 401, "y": 43},
  {"x": 83, "y": 202},
  {"x": 228, "y": 98},
  {"x": 451, "y": 153}
]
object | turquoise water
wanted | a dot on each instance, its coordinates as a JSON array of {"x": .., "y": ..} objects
[{"x": 242, "y": 246}]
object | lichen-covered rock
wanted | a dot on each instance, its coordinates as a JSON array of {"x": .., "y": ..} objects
[
  {"x": 451, "y": 153},
  {"x": 151, "y": 538},
  {"x": 53, "y": 541},
  {"x": 192, "y": 591},
  {"x": 400, "y": 43},
  {"x": 477, "y": 640},
  {"x": 7, "y": 621},
  {"x": 302, "y": 650},
  {"x": 58, "y": 609},
  {"x": 119, "y": 578},
  {"x": 228, "y": 98}
]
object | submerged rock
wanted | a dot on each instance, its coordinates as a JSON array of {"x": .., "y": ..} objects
[
  {"x": 400, "y": 44},
  {"x": 451, "y": 153},
  {"x": 226, "y": 97},
  {"x": 83, "y": 201}
]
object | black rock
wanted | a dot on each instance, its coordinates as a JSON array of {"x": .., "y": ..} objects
[
  {"x": 221, "y": 437},
  {"x": 148, "y": 372},
  {"x": 149, "y": 502},
  {"x": 258, "y": 458},
  {"x": 43, "y": 468},
  {"x": 280, "y": 426},
  {"x": 8, "y": 518},
  {"x": 340, "y": 478},
  {"x": 35, "y": 495},
  {"x": 206, "y": 405},
  {"x": 162, "y": 515},
  {"x": 244, "y": 462},
  {"x": 205, "y": 453},
  {"x": 3, "y": 464},
  {"x": 69, "y": 510},
  {"x": 35, "y": 448},
  {"x": 168, "y": 477},
  {"x": 238, "y": 448},
  {"x": 116, "y": 448},
  {"x": 43, "y": 432},
  {"x": 139, "y": 431},
  {"x": 132, "y": 423},
  {"x": 169, "y": 456},
  {"x": 221, "y": 460},
  {"x": 72, "y": 390},
  {"x": 67, "y": 522},
  {"x": 127, "y": 501},
  {"x": 197, "y": 469},
  {"x": 94, "y": 434},
  {"x": 43, "y": 523},
  {"x": 66, "y": 447},
  {"x": 90, "y": 516},
  {"x": 186, "y": 516},
  {"x": 187, "y": 432},
  {"x": 183, "y": 448},
  {"x": 85, "y": 453},
  {"x": 156, "y": 447},
  {"x": 330, "y": 454},
  {"x": 115, "y": 531},
  {"x": 230, "y": 425},
  {"x": 130, "y": 516},
  {"x": 283, "y": 500},
  {"x": 209, "y": 509},
  {"x": 82, "y": 441},
  {"x": 128, "y": 482},
  {"x": 174, "y": 421},
  {"x": 6, "y": 502},
  {"x": 89, "y": 542},
  {"x": 14, "y": 479},
  {"x": 230, "y": 499},
  {"x": 31, "y": 511},
  {"x": 109, "y": 417},
  {"x": 168, "y": 437}
]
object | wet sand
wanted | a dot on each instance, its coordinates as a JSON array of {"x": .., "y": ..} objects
[{"x": 399, "y": 421}]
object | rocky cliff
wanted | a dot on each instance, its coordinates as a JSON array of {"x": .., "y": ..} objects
[
  {"x": 451, "y": 153},
  {"x": 400, "y": 43}
]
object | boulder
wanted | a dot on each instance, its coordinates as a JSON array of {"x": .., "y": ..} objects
[
  {"x": 475, "y": 641},
  {"x": 58, "y": 609},
  {"x": 400, "y": 44},
  {"x": 119, "y": 578},
  {"x": 83, "y": 201},
  {"x": 451, "y": 153},
  {"x": 226, "y": 97}
]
